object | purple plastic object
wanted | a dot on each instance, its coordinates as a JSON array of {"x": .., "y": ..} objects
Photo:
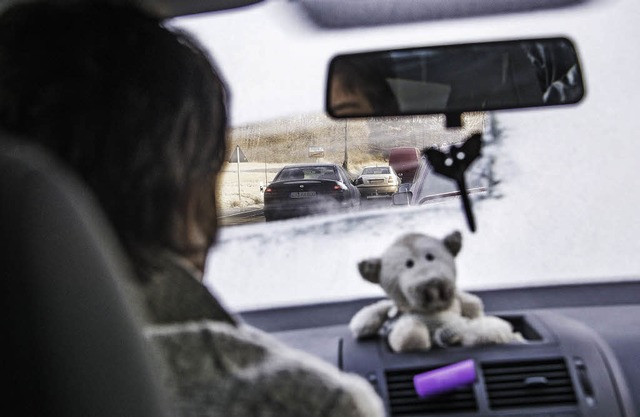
[{"x": 445, "y": 379}]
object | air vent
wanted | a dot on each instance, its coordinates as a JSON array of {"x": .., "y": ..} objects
[
  {"x": 528, "y": 384},
  {"x": 404, "y": 401}
]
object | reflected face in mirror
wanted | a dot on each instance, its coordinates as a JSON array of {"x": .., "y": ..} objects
[
  {"x": 360, "y": 88},
  {"x": 346, "y": 101}
]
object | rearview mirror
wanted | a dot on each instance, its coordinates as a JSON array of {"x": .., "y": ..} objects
[{"x": 455, "y": 79}]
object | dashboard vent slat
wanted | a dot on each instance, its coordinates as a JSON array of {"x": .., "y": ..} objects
[
  {"x": 404, "y": 401},
  {"x": 528, "y": 384}
]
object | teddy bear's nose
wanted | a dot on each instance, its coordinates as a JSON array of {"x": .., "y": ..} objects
[
  {"x": 426, "y": 293},
  {"x": 436, "y": 290}
]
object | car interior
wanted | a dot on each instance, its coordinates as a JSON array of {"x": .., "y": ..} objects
[{"x": 74, "y": 347}]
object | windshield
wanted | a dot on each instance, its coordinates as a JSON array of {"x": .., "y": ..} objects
[{"x": 553, "y": 192}]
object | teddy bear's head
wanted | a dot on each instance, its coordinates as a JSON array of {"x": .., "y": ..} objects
[{"x": 417, "y": 272}]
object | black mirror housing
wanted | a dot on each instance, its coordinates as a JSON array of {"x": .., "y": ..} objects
[{"x": 455, "y": 79}]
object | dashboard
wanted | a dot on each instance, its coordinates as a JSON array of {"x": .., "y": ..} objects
[{"x": 580, "y": 358}]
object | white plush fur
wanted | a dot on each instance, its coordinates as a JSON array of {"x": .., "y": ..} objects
[{"x": 418, "y": 274}]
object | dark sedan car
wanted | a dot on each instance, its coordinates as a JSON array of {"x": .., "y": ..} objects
[{"x": 300, "y": 190}]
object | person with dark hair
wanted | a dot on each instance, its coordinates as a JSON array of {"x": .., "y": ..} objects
[
  {"x": 145, "y": 131},
  {"x": 138, "y": 110}
]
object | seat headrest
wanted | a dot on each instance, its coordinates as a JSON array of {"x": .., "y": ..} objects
[{"x": 74, "y": 346}]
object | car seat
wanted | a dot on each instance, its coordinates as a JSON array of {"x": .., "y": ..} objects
[{"x": 72, "y": 346}]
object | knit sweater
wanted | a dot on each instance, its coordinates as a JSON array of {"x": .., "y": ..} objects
[{"x": 212, "y": 364}]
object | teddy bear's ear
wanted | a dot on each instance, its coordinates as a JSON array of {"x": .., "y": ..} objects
[
  {"x": 370, "y": 269},
  {"x": 453, "y": 242}
]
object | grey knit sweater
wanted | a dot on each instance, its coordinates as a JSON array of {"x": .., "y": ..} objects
[{"x": 214, "y": 365}]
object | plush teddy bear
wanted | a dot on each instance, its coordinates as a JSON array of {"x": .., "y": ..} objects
[{"x": 424, "y": 307}]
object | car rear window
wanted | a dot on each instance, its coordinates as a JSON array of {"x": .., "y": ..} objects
[
  {"x": 313, "y": 173},
  {"x": 375, "y": 170}
]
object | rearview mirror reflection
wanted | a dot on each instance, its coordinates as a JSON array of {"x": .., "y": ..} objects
[{"x": 455, "y": 79}]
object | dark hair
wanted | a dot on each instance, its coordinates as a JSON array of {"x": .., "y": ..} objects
[{"x": 136, "y": 108}]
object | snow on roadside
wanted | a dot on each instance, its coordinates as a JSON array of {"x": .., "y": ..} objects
[{"x": 253, "y": 175}]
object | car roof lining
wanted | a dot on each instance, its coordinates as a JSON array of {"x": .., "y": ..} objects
[
  {"x": 339, "y": 14},
  {"x": 342, "y": 14}
]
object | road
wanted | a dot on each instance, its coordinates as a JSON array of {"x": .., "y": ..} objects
[
  {"x": 256, "y": 215},
  {"x": 239, "y": 217}
]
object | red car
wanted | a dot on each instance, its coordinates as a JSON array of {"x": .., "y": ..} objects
[{"x": 404, "y": 160}]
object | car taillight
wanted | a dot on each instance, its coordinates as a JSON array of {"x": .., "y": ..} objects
[
  {"x": 337, "y": 187},
  {"x": 268, "y": 190},
  {"x": 390, "y": 180}
]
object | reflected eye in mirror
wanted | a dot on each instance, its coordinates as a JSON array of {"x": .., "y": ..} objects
[{"x": 455, "y": 79}]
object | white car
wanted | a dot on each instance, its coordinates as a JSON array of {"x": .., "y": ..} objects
[{"x": 377, "y": 181}]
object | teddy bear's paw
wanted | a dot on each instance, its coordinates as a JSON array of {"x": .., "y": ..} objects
[
  {"x": 368, "y": 320},
  {"x": 517, "y": 338},
  {"x": 489, "y": 330},
  {"x": 447, "y": 336},
  {"x": 471, "y": 305},
  {"x": 409, "y": 335},
  {"x": 361, "y": 327}
]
